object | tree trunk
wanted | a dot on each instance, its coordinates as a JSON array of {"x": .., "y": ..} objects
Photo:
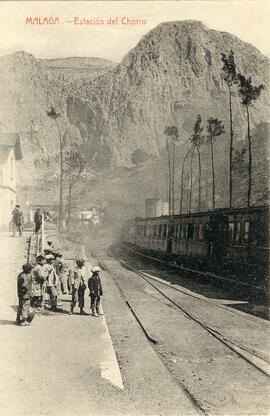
[
  {"x": 213, "y": 173},
  {"x": 173, "y": 163},
  {"x": 249, "y": 160},
  {"x": 61, "y": 179},
  {"x": 69, "y": 205},
  {"x": 199, "y": 161},
  {"x": 182, "y": 181},
  {"x": 169, "y": 175},
  {"x": 191, "y": 181},
  {"x": 231, "y": 145}
]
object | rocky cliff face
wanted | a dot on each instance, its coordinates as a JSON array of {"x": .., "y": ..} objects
[
  {"x": 29, "y": 86},
  {"x": 173, "y": 74},
  {"x": 120, "y": 111}
]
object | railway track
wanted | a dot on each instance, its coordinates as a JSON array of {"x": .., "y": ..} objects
[
  {"x": 210, "y": 276},
  {"x": 250, "y": 356},
  {"x": 212, "y": 372},
  {"x": 264, "y": 366}
]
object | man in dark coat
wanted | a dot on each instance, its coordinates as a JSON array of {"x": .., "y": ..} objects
[
  {"x": 38, "y": 220},
  {"x": 95, "y": 288},
  {"x": 17, "y": 220}
]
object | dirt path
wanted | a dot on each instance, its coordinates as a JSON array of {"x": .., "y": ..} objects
[{"x": 55, "y": 366}]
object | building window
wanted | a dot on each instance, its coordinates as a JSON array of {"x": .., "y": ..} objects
[{"x": 1, "y": 174}]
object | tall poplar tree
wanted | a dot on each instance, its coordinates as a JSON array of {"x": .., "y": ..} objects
[
  {"x": 249, "y": 93},
  {"x": 230, "y": 77}
]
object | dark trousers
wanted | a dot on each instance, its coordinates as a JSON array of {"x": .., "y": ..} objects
[
  {"x": 17, "y": 227},
  {"x": 36, "y": 302},
  {"x": 37, "y": 227},
  {"x": 53, "y": 297},
  {"x": 78, "y": 296},
  {"x": 23, "y": 309},
  {"x": 95, "y": 302}
]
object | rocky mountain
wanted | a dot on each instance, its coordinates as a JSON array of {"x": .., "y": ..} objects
[
  {"x": 120, "y": 111},
  {"x": 173, "y": 74},
  {"x": 29, "y": 86}
]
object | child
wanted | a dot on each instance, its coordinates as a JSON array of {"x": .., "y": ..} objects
[
  {"x": 95, "y": 287},
  {"x": 39, "y": 276},
  {"x": 24, "y": 294},
  {"x": 77, "y": 282}
]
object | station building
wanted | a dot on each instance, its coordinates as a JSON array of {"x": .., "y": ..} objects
[{"x": 10, "y": 152}]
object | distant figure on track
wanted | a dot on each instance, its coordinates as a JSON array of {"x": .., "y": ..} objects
[
  {"x": 95, "y": 288},
  {"x": 17, "y": 220},
  {"x": 38, "y": 220}
]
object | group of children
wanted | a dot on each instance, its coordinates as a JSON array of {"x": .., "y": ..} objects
[{"x": 39, "y": 285}]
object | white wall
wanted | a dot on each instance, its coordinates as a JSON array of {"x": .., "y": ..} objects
[
  {"x": 7, "y": 179},
  {"x": 7, "y": 203}
]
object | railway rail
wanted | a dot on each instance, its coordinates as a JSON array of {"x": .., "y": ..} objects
[
  {"x": 210, "y": 276},
  {"x": 251, "y": 357}
]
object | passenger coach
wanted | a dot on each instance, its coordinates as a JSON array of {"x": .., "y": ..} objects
[{"x": 235, "y": 240}]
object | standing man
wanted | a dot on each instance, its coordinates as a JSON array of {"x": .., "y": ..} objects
[
  {"x": 78, "y": 285},
  {"x": 38, "y": 220},
  {"x": 17, "y": 220},
  {"x": 95, "y": 288}
]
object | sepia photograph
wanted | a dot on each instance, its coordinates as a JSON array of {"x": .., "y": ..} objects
[{"x": 134, "y": 208}]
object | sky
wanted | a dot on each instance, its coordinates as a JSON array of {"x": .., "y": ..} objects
[{"x": 247, "y": 19}]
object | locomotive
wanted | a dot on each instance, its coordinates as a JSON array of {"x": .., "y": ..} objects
[{"x": 229, "y": 241}]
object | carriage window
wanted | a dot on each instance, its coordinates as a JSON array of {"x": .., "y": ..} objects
[
  {"x": 165, "y": 231},
  {"x": 231, "y": 231},
  {"x": 183, "y": 232},
  {"x": 246, "y": 231},
  {"x": 178, "y": 232},
  {"x": 200, "y": 233},
  {"x": 237, "y": 231},
  {"x": 261, "y": 233},
  {"x": 190, "y": 232}
]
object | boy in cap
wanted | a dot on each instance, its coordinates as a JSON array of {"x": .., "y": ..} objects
[
  {"x": 39, "y": 276},
  {"x": 24, "y": 280},
  {"x": 63, "y": 272},
  {"x": 52, "y": 284},
  {"x": 77, "y": 281},
  {"x": 95, "y": 288}
]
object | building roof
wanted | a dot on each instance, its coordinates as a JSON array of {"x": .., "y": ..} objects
[{"x": 12, "y": 140}]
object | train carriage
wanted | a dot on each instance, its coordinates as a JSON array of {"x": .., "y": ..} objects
[{"x": 234, "y": 240}]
